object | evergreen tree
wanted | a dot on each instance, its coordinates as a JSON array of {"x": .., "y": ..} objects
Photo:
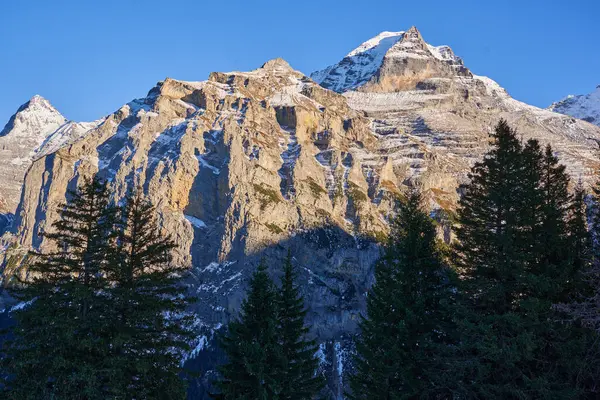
[
  {"x": 58, "y": 349},
  {"x": 252, "y": 345},
  {"x": 514, "y": 253},
  {"x": 105, "y": 316},
  {"x": 408, "y": 331},
  {"x": 580, "y": 243},
  {"x": 554, "y": 264},
  {"x": 531, "y": 205},
  {"x": 299, "y": 379},
  {"x": 150, "y": 327}
]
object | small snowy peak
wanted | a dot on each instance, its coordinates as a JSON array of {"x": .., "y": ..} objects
[
  {"x": 37, "y": 117},
  {"x": 585, "y": 107},
  {"x": 35, "y": 130}
]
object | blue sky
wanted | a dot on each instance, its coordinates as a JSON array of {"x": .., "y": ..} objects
[{"x": 90, "y": 57}]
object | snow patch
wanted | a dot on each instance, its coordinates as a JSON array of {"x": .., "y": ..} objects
[{"x": 196, "y": 222}]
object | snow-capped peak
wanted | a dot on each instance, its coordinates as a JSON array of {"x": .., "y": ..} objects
[
  {"x": 36, "y": 117},
  {"x": 365, "y": 62},
  {"x": 585, "y": 107}
]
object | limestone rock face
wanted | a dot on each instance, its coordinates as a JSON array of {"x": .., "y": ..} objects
[{"x": 247, "y": 165}]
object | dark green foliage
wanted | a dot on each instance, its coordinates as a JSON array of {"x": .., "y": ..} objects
[
  {"x": 408, "y": 332},
  {"x": 490, "y": 232},
  {"x": 269, "y": 355},
  {"x": 299, "y": 365},
  {"x": 150, "y": 327},
  {"x": 252, "y": 347},
  {"x": 59, "y": 343},
  {"x": 580, "y": 244},
  {"x": 105, "y": 316},
  {"x": 516, "y": 252}
]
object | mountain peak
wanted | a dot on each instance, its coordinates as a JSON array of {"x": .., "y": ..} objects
[
  {"x": 412, "y": 33},
  {"x": 277, "y": 63},
  {"x": 391, "y": 61},
  {"x": 37, "y": 114}
]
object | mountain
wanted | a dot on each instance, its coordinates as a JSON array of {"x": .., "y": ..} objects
[
  {"x": 36, "y": 129},
  {"x": 391, "y": 61},
  {"x": 585, "y": 107},
  {"x": 431, "y": 115},
  {"x": 246, "y": 165}
]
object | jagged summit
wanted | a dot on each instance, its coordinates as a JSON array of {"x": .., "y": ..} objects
[
  {"x": 390, "y": 61},
  {"x": 585, "y": 107},
  {"x": 277, "y": 63}
]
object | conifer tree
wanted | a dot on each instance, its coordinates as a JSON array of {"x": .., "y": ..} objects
[
  {"x": 514, "y": 254},
  {"x": 554, "y": 265},
  {"x": 251, "y": 345},
  {"x": 408, "y": 331},
  {"x": 491, "y": 239},
  {"x": 580, "y": 243},
  {"x": 58, "y": 350},
  {"x": 150, "y": 327},
  {"x": 299, "y": 379}
]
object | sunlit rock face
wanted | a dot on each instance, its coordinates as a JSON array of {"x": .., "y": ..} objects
[{"x": 247, "y": 165}]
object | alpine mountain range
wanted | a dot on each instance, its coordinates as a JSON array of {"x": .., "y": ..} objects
[{"x": 246, "y": 165}]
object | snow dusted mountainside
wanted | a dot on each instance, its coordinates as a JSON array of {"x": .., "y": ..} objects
[
  {"x": 37, "y": 128},
  {"x": 378, "y": 57},
  {"x": 247, "y": 165},
  {"x": 585, "y": 107},
  {"x": 431, "y": 115}
]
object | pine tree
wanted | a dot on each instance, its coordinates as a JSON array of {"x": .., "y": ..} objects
[
  {"x": 58, "y": 349},
  {"x": 579, "y": 237},
  {"x": 252, "y": 345},
  {"x": 554, "y": 265},
  {"x": 151, "y": 328},
  {"x": 514, "y": 253},
  {"x": 490, "y": 233},
  {"x": 299, "y": 379},
  {"x": 408, "y": 330}
]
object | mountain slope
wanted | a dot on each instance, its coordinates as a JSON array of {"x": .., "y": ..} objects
[{"x": 585, "y": 107}]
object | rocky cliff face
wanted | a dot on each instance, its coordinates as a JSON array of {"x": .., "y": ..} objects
[
  {"x": 585, "y": 107},
  {"x": 247, "y": 165}
]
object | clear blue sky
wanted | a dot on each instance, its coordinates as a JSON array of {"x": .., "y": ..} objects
[{"x": 90, "y": 57}]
